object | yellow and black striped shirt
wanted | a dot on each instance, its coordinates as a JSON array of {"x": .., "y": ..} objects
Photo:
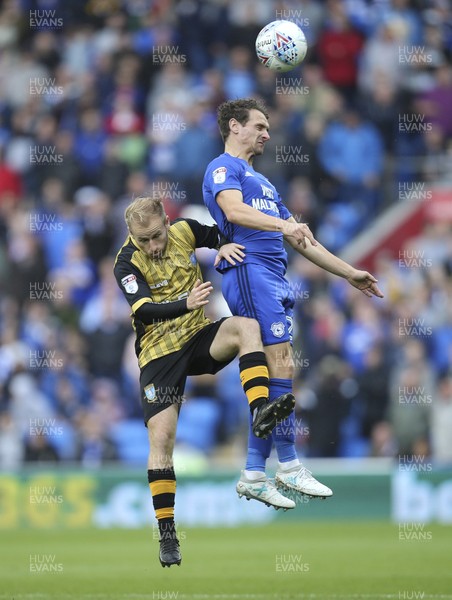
[{"x": 169, "y": 279}]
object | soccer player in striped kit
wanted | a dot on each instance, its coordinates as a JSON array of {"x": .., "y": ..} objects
[{"x": 158, "y": 273}]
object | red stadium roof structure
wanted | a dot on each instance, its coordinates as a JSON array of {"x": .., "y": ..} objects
[{"x": 400, "y": 222}]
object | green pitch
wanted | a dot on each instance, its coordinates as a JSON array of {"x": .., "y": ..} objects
[{"x": 307, "y": 561}]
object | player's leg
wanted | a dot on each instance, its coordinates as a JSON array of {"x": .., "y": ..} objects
[
  {"x": 253, "y": 483},
  {"x": 162, "y": 383},
  {"x": 251, "y": 292},
  {"x": 281, "y": 370},
  {"x": 291, "y": 474},
  {"x": 162, "y": 480},
  {"x": 241, "y": 336},
  {"x": 238, "y": 335},
  {"x": 212, "y": 349},
  {"x": 253, "y": 478}
]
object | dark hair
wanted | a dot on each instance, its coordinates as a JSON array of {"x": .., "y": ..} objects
[{"x": 239, "y": 110}]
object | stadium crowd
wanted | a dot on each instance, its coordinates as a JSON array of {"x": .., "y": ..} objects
[{"x": 101, "y": 102}]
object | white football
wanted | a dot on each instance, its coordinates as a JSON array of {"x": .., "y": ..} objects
[{"x": 281, "y": 46}]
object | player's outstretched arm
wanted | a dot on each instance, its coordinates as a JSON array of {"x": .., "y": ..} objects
[
  {"x": 320, "y": 256},
  {"x": 239, "y": 213},
  {"x": 364, "y": 281}
]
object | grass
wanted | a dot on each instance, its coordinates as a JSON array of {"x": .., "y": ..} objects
[{"x": 340, "y": 560}]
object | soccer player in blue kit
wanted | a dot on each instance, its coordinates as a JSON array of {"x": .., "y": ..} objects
[{"x": 250, "y": 212}]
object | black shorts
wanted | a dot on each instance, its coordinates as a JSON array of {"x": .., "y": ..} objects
[{"x": 162, "y": 381}]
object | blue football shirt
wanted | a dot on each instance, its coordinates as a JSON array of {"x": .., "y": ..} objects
[{"x": 265, "y": 248}]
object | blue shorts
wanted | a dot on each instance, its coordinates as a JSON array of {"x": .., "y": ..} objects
[{"x": 253, "y": 291}]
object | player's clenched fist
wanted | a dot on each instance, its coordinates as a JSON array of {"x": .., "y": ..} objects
[{"x": 198, "y": 295}]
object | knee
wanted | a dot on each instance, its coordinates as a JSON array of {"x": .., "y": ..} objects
[
  {"x": 249, "y": 328},
  {"x": 281, "y": 364},
  {"x": 162, "y": 444}
]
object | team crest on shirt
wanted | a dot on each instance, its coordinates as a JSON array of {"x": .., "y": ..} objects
[
  {"x": 130, "y": 284},
  {"x": 278, "y": 329},
  {"x": 219, "y": 175},
  {"x": 149, "y": 392}
]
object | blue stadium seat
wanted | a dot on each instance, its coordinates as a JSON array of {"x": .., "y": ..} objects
[
  {"x": 198, "y": 423},
  {"x": 131, "y": 439}
]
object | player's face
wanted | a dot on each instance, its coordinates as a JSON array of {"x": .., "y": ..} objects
[
  {"x": 254, "y": 133},
  {"x": 152, "y": 238}
]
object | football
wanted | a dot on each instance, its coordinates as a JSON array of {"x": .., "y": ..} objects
[{"x": 281, "y": 46}]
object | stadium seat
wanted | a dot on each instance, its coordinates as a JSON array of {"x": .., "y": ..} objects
[
  {"x": 198, "y": 423},
  {"x": 131, "y": 439}
]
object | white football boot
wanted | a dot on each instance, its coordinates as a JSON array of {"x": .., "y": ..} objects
[
  {"x": 263, "y": 490},
  {"x": 301, "y": 480}
]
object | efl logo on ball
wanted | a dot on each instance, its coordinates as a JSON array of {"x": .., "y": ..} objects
[{"x": 281, "y": 46}]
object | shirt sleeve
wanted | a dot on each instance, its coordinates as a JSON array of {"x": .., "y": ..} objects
[
  {"x": 136, "y": 291},
  {"x": 224, "y": 176},
  {"x": 206, "y": 236},
  {"x": 150, "y": 312}
]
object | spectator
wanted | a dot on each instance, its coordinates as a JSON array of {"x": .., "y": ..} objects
[
  {"x": 116, "y": 166},
  {"x": 27, "y": 268},
  {"x": 433, "y": 104},
  {"x": 338, "y": 48},
  {"x": 55, "y": 223},
  {"x": 361, "y": 333},
  {"x": 30, "y": 409},
  {"x": 331, "y": 398},
  {"x": 10, "y": 187},
  {"x": 95, "y": 214},
  {"x": 373, "y": 383},
  {"x": 442, "y": 421},
  {"x": 309, "y": 167},
  {"x": 104, "y": 320},
  {"x": 75, "y": 280},
  {"x": 380, "y": 56},
  {"x": 192, "y": 148},
  {"x": 94, "y": 445},
  {"x": 89, "y": 145},
  {"x": 351, "y": 152},
  {"x": 63, "y": 165},
  {"x": 239, "y": 80},
  {"x": 38, "y": 449},
  {"x": 11, "y": 445},
  {"x": 381, "y": 106},
  {"x": 410, "y": 421}
]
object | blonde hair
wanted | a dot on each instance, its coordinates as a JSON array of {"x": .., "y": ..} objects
[{"x": 142, "y": 209}]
